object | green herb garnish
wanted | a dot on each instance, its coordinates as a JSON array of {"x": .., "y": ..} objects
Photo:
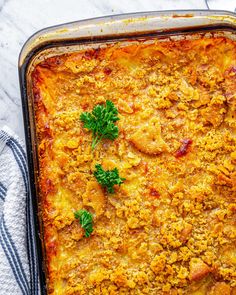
[
  {"x": 101, "y": 122},
  {"x": 86, "y": 221},
  {"x": 108, "y": 178}
]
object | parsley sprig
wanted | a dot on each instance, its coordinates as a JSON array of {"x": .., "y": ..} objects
[
  {"x": 101, "y": 122},
  {"x": 108, "y": 179},
  {"x": 86, "y": 221}
]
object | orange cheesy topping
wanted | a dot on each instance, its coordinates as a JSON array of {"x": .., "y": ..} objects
[{"x": 170, "y": 228}]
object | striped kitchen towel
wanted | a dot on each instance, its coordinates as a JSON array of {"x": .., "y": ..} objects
[{"x": 18, "y": 261}]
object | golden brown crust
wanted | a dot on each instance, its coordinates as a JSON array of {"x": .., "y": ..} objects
[{"x": 170, "y": 228}]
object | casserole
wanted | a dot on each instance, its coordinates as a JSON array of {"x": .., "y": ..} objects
[{"x": 175, "y": 93}]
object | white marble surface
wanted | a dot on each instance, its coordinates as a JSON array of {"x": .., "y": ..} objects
[{"x": 21, "y": 18}]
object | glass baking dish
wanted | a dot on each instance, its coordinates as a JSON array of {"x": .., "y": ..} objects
[{"x": 93, "y": 33}]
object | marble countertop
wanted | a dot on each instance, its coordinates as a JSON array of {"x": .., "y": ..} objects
[{"x": 19, "y": 19}]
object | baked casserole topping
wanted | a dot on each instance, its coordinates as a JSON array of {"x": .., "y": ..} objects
[{"x": 170, "y": 227}]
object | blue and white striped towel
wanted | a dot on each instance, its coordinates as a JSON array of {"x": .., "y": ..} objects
[{"x": 18, "y": 262}]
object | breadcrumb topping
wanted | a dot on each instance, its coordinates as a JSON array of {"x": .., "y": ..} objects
[{"x": 170, "y": 228}]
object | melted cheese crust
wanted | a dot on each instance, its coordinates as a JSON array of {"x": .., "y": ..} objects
[{"x": 171, "y": 227}]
